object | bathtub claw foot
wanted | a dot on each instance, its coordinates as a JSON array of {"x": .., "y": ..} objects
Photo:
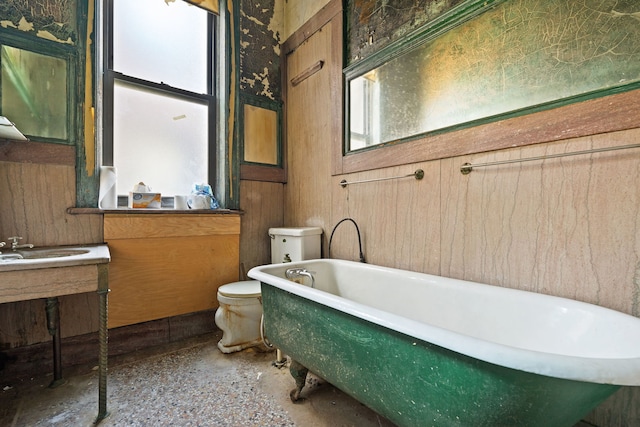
[{"x": 299, "y": 374}]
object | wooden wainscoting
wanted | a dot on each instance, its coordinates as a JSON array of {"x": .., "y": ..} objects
[{"x": 168, "y": 264}]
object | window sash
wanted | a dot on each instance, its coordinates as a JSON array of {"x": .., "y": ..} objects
[{"x": 110, "y": 77}]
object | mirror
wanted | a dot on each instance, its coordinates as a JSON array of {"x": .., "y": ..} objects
[
  {"x": 484, "y": 62},
  {"x": 34, "y": 92}
]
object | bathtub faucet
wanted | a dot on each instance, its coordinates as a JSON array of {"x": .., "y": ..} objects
[{"x": 294, "y": 273}]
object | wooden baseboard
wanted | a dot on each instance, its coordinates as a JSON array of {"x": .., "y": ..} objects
[{"x": 37, "y": 360}]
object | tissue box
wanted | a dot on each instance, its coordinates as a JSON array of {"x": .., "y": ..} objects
[{"x": 145, "y": 200}]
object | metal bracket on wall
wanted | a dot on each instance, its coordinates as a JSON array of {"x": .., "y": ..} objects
[
  {"x": 307, "y": 73},
  {"x": 418, "y": 175},
  {"x": 466, "y": 168}
]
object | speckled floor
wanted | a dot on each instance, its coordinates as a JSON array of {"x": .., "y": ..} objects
[
  {"x": 185, "y": 384},
  {"x": 190, "y": 383}
]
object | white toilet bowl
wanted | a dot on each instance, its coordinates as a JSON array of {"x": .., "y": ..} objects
[
  {"x": 238, "y": 315},
  {"x": 240, "y": 312}
]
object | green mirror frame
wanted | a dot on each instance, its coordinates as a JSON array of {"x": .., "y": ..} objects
[
  {"x": 260, "y": 130},
  {"x": 37, "y": 91},
  {"x": 458, "y": 58}
]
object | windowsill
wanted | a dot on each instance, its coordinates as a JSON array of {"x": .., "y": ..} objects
[{"x": 94, "y": 211}]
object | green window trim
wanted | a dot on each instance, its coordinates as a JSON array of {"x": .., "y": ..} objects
[
  {"x": 461, "y": 18},
  {"x": 47, "y": 49},
  {"x": 254, "y": 170}
]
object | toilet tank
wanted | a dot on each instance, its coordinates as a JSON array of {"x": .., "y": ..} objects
[{"x": 294, "y": 243}]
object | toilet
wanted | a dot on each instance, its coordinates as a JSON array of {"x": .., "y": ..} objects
[{"x": 240, "y": 305}]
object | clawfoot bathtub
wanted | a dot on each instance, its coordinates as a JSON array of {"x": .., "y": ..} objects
[{"x": 427, "y": 350}]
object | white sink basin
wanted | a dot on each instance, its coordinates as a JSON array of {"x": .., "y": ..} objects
[
  {"x": 53, "y": 257},
  {"x": 47, "y": 253}
]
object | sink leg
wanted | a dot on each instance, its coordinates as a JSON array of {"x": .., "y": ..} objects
[
  {"x": 53, "y": 324},
  {"x": 103, "y": 336}
]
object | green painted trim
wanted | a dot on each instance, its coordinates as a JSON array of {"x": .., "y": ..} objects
[
  {"x": 68, "y": 53},
  {"x": 87, "y": 185},
  {"x": 233, "y": 186},
  {"x": 429, "y": 32},
  {"x": 458, "y": 15},
  {"x": 453, "y": 18},
  {"x": 504, "y": 116}
]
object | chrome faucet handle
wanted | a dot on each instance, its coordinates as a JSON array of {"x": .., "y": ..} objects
[
  {"x": 15, "y": 245},
  {"x": 2, "y": 244},
  {"x": 296, "y": 272},
  {"x": 14, "y": 240}
]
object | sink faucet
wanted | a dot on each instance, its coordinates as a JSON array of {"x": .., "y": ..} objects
[{"x": 15, "y": 245}]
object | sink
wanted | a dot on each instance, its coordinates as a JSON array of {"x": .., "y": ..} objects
[
  {"x": 51, "y": 253},
  {"x": 41, "y": 253},
  {"x": 53, "y": 256},
  {"x": 50, "y": 272},
  {"x": 10, "y": 257}
]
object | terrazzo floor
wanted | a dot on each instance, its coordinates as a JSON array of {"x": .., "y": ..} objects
[{"x": 190, "y": 383}]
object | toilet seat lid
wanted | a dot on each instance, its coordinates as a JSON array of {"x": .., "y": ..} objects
[{"x": 244, "y": 289}]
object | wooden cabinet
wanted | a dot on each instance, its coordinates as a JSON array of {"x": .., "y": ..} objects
[{"x": 164, "y": 265}]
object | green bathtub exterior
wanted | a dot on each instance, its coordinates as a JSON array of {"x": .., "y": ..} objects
[{"x": 415, "y": 383}]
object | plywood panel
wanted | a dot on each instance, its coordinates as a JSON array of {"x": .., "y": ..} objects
[
  {"x": 263, "y": 207},
  {"x": 560, "y": 227},
  {"x": 23, "y": 323},
  {"x": 35, "y": 193},
  {"x": 33, "y": 203},
  {"x": 127, "y": 226},
  {"x": 399, "y": 219},
  {"x": 20, "y": 285},
  {"x": 155, "y": 278},
  {"x": 260, "y": 135},
  {"x": 177, "y": 272},
  {"x": 309, "y": 133}
]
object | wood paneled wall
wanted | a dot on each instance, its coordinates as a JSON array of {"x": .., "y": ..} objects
[
  {"x": 33, "y": 202},
  {"x": 262, "y": 205},
  {"x": 165, "y": 265},
  {"x": 566, "y": 226},
  {"x": 34, "y": 197},
  {"x": 308, "y": 187}
]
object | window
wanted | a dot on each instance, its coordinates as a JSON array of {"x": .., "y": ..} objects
[
  {"x": 455, "y": 85},
  {"x": 159, "y": 95},
  {"x": 363, "y": 100}
]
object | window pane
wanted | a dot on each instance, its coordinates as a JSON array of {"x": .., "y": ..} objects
[
  {"x": 158, "y": 139},
  {"x": 34, "y": 92},
  {"x": 161, "y": 42}
]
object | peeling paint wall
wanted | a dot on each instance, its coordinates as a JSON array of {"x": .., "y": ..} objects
[
  {"x": 373, "y": 24},
  {"x": 49, "y": 19},
  {"x": 261, "y": 24}
]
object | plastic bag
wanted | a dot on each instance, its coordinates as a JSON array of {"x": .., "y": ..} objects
[{"x": 202, "y": 197}]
